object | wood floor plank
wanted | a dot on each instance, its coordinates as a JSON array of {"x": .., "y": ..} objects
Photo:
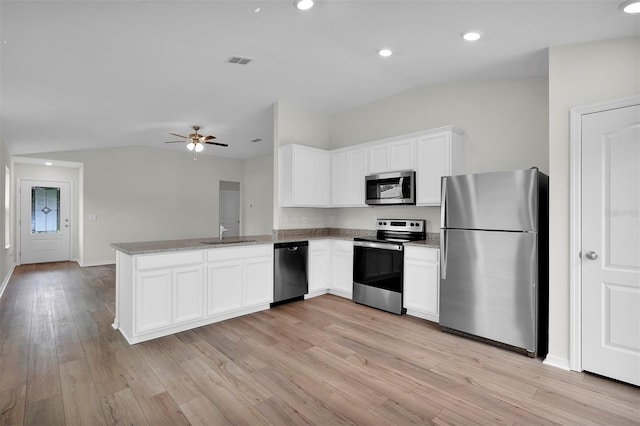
[
  {"x": 121, "y": 408},
  {"x": 201, "y": 411},
  {"x": 48, "y": 411},
  {"x": 229, "y": 401},
  {"x": 12, "y": 406},
  {"x": 79, "y": 397},
  {"x": 162, "y": 410},
  {"x": 43, "y": 380}
]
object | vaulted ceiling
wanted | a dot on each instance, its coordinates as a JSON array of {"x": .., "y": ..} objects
[{"x": 95, "y": 74}]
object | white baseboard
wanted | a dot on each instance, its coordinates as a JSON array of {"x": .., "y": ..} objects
[
  {"x": 97, "y": 263},
  {"x": 558, "y": 362},
  {"x": 6, "y": 279}
]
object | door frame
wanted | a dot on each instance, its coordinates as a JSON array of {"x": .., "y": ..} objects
[
  {"x": 19, "y": 215},
  {"x": 575, "y": 218}
]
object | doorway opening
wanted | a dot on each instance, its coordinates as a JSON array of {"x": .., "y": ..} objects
[
  {"x": 45, "y": 219},
  {"x": 230, "y": 207}
]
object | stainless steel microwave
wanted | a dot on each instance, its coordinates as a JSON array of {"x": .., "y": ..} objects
[{"x": 391, "y": 188}]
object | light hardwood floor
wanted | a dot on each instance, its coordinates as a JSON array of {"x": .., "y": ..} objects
[{"x": 322, "y": 361}]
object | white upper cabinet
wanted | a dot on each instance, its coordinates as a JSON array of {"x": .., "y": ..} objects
[
  {"x": 349, "y": 169},
  {"x": 391, "y": 156},
  {"x": 311, "y": 177},
  {"x": 304, "y": 176},
  {"x": 437, "y": 154}
]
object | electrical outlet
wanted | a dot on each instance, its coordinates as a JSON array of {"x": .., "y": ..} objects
[{"x": 93, "y": 217}]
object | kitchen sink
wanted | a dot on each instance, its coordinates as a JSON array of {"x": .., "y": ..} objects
[{"x": 215, "y": 242}]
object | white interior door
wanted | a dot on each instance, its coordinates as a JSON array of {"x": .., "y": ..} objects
[
  {"x": 44, "y": 221},
  {"x": 611, "y": 243},
  {"x": 230, "y": 209}
]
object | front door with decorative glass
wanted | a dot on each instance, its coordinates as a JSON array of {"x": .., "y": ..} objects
[{"x": 44, "y": 221}]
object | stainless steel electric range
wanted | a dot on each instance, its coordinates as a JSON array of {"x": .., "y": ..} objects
[{"x": 378, "y": 263}]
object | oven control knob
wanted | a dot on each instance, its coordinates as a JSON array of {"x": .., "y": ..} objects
[{"x": 413, "y": 224}]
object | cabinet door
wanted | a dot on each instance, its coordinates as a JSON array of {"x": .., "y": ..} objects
[
  {"x": 188, "y": 293},
  {"x": 312, "y": 178},
  {"x": 318, "y": 267},
  {"x": 153, "y": 300},
  {"x": 357, "y": 172},
  {"x": 433, "y": 162},
  {"x": 258, "y": 280},
  {"x": 422, "y": 282},
  {"x": 349, "y": 170},
  {"x": 340, "y": 178},
  {"x": 224, "y": 286},
  {"x": 437, "y": 155},
  {"x": 401, "y": 155},
  {"x": 342, "y": 268},
  {"x": 379, "y": 158}
]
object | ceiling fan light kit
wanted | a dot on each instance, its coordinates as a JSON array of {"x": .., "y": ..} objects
[
  {"x": 630, "y": 6},
  {"x": 195, "y": 141}
]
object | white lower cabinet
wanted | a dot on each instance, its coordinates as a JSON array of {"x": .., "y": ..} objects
[
  {"x": 330, "y": 267},
  {"x": 342, "y": 268},
  {"x": 188, "y": 294},
  {"x": 319, "y": 267},
  {"x": 162, "y": 294},
  {"x": 422, "y": 282},
  {"x": 239, "y": 278},
  {"x": 153, "y": 300}
]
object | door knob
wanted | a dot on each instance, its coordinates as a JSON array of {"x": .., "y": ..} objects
[{"x": 591, "y": 255}]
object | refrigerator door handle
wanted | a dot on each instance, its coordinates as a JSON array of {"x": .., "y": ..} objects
[
  {"x": 443, "y": 254},
  {"x": 443, "y": 225},
  {"x": 443, "y": 202}
]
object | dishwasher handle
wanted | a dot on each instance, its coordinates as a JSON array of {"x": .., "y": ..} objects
[{"x": 291, "y": 245}]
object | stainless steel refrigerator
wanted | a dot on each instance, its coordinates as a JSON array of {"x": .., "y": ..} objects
[{"x": 494, "y": 258}]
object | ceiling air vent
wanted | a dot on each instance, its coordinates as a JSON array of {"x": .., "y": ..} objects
[
  {"x": 256, "y": 140},
  {"x": 238, "y": 60}
]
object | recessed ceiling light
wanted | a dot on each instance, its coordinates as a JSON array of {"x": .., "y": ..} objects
[
  {"x": 256, "y": 10},
  {"x": 630, "y": 6},
  {"x": 471, "y": 35},
  {"x": 48, "y": 163},
  {"x": 303, "y": 4},
  {"x": 385, "y": 53}
]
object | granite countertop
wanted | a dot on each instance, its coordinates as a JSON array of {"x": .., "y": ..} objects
[{"x": 279, "y": 236}]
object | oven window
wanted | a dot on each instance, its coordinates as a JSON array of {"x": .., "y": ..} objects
[{"x": 378, "y": 268}]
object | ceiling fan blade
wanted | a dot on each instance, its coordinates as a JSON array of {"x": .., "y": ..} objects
[
  {"x": 175, "y": 142},
  {"x": 180, "y": 136},
  {"x": 217, "y": 143},
  {"x": 208, "y": 138}
]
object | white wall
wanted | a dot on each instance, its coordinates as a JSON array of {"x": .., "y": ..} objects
[
  {"x": 579, "y": 75},
  {"x": 258, "y": 195},
  {"x": 505, "y": 123},
  {"x": 142, "y": 194}
]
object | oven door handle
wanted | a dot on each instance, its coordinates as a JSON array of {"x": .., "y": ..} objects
[{"x": 381, "y": 246}]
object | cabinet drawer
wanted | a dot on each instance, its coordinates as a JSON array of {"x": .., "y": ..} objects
[
  {"x": 425, "y": 254},
  {"x": 154, "y": 261},
  {"x": 239, "y": 252}
]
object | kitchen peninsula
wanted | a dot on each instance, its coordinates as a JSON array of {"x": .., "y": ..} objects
[{"x": 165, "y": 287}]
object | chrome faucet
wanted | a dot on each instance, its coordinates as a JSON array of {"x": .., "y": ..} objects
[{"x": 222, "y": 230}]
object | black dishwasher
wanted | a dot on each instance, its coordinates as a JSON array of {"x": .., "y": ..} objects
[{"x": 290, "y": 271}]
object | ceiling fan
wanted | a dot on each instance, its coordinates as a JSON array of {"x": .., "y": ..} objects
[{"x": 195, "y": 141}]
